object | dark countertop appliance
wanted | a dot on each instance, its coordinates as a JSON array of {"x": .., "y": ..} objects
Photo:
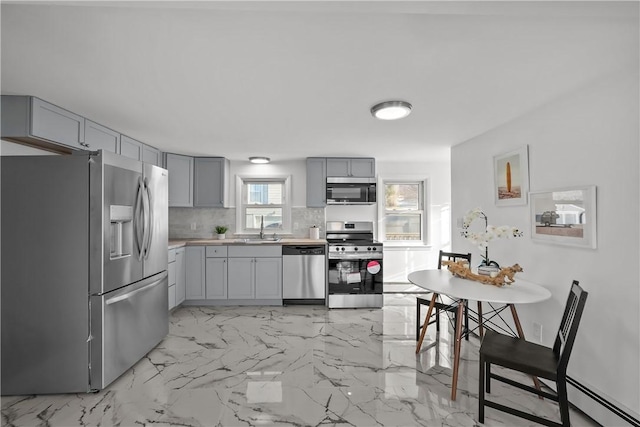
[
  {"x": 351, "y": 191},
  {"x": 355, "y": 265}
]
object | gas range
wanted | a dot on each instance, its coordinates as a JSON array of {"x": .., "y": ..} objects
[{"x": 354, "y": 265}]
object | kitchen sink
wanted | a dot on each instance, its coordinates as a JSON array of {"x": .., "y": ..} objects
[{"x": 265, "y": 240}]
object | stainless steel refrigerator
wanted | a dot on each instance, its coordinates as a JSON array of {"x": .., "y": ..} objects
[{"x": 84, "y": 269}]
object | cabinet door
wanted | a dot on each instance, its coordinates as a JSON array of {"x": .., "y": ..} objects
[
  {"x": 241, "y": 278},
  {"x": 151, "y": 155},
  {"x": 365, "y": 167},
  {"x": 338, "y": 167},
  {"x": 98, "y": 137},
  {"x": 210, "y": 181},
  {"x": 181, "y": 277},
  {"x": 194, "y": 264},
  {"x": 180, "y": 179},
  {"x": 172, "y": 297},
  {"x": 56, "y": 124},
  {"x": 216, "y": 278},
  {"x": 316, "y": 182},
  {"x": 131, "y": 148},
  {"x": 268, "y": 278}
]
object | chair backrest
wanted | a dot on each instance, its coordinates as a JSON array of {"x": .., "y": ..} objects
[
  {"x": 569, "y": 325},
  {"x": 452, "y": 256}
]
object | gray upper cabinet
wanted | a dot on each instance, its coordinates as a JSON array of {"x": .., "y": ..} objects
[
  {"x": 137, "y": 150},
  {"x": 30, "y": 120},
  {"x": 131, "y": 148},
  {"x": 180, "y": 179},
  {"x": 151, "y": 155},
  {"x": 98, "y": 137},
  {"x": 316, "y": 182},
  {"x": 348, "y": 166},
  {"x": 211, "y": 182},
  {"x": 56, "y": 124}
]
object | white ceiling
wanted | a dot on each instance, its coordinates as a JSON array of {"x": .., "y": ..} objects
[{"x": 295, "y": 79}]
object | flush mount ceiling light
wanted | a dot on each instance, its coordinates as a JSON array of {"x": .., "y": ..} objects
[
  {"x": 391, "y": 110},
  {"x": 259, "y": 160}
]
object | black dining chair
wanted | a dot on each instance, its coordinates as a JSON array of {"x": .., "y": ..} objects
[
  {"x": 446, "y": 303},
  {"x": 533, "y": 359}
]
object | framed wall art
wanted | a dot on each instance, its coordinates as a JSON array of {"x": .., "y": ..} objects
[
  {"x": 565, "y": 216},
  {"x": 511, "y": 177}
]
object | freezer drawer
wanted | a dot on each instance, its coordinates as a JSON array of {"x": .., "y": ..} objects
[{"x": 126, "y": 325}]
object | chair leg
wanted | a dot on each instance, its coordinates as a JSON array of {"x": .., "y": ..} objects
[
  {"x": 466, "y": 323},
  {"x": 487, "y": 377},
  {"x": 481, "y": 392},
  {"x": 480, "y": 329},
  {"x": 563, "y": 401},
  {"x": 437, "y": 319}
]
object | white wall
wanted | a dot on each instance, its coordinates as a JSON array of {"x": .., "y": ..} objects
[
  {"x": 400, "y": 260},
  {"x": 589, "y": 136}
]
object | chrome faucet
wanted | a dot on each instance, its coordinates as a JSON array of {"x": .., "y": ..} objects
[{"x": 261, "y": 226}]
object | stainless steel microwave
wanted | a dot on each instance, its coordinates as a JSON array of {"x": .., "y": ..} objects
[{"x": 351, "y": 191}]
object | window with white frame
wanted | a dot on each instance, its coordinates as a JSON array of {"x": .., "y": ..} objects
[
  {"x": 404, "y": 211},
  {"x": 263, "y": 203}
]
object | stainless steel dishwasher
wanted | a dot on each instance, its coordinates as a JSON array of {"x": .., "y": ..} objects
[{"x": 304, "y": 274}]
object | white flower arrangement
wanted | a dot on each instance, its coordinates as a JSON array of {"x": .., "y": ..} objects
[{"x": 482, "y": 239}]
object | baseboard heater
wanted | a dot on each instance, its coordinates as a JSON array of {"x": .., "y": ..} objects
[{"x": 604, "y": 402}]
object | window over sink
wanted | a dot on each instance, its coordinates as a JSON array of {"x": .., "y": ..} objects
[{"x": 263, "y": 203}]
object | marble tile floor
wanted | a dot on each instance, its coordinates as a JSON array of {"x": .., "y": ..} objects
[{"x": 288, "y": 366}]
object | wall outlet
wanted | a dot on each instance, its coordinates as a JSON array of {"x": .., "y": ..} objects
[
  {"x": 193, "y": 226},
  {"x": 537, "y": 331}
]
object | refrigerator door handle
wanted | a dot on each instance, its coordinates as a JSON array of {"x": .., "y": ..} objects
[
  {"x": 149, "y": 217},
  {"x": 138, "y": 213},
  {"x": 128, "y": 295}
]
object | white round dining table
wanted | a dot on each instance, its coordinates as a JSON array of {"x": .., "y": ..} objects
[{"x": 442, "y": 282}]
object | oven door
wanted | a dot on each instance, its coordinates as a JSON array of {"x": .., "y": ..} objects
[{"x": 355, "y": 276}]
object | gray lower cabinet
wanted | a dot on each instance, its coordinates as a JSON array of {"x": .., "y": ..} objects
[
  {"x": 181, "y": 276},
  {"x": 216, "y": 273},
  {"x": 268, "y": 278},
  {"x": 180, "y": 179},
  {"x": 316, "y": 182},
  {"x": 171, "y": 272},
  {"x": 211, "y": 182},
  {"x": 255, "y": 272},
  {"x": 98, "y": 137},
  {"x": 195, "y": 274},
  {"x": 233, "y": 274},
  {"x": 241, "y": 281}
]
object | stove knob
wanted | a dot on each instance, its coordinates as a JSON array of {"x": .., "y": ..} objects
[
  {"x": 355, "y": 249},
  {"x": 369, "y": 249},
  {"x": 343, "y": 248}
]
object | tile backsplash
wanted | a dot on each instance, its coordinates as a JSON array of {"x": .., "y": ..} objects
[{"x": 182, "y": 222}]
